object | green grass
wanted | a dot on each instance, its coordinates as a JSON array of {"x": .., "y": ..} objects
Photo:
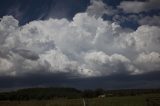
[{"x": 109, "y": 101}]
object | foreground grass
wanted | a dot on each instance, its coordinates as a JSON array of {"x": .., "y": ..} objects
[
  {"x": 59, "y": 102},
  {"x": 109, "y": 101}
]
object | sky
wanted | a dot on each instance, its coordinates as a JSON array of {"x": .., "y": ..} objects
[{"x": 86, "y": 44}]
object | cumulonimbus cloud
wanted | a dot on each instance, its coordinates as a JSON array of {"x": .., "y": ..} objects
[{"x": 86, "y": 46}]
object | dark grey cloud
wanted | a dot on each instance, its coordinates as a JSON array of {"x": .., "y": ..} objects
[
  {"x": 141, "y": 6},
  {"x": 116, "y": 81},
  {"x": 150, "y": 20},
  {"x": 26, "y": 54}
]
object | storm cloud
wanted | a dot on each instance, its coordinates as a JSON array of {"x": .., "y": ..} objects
[{"x": 86, "y": 47}]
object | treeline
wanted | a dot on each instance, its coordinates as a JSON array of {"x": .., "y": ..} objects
[
  {"x": 122, "y": 92},
  {"x": 41, "y": 94},
  {"x": 68, "y": 93},
  {"x": 131, "y": 92}
]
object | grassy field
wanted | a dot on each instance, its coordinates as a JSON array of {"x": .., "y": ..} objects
[{"x": 109, "y": 101}]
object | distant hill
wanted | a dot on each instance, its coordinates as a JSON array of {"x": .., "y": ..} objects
[{"x": 68, "y": 93}]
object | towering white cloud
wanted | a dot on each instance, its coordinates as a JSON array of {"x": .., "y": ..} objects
[
  {"x": 86, "y": 46},
  {"x": 58, "y": 61},
  {"x": 145, "y": 38},
  {"x": 5, "y": 66},
  {"x": 98, "y": 9},
  {"x": 105, "y": 64},
  {"x": 148, "y": 61}
]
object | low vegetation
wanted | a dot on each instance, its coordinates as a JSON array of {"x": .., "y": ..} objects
[
  {"x": 74, "y": 97},
  {"x": 109, "y": 101}
]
